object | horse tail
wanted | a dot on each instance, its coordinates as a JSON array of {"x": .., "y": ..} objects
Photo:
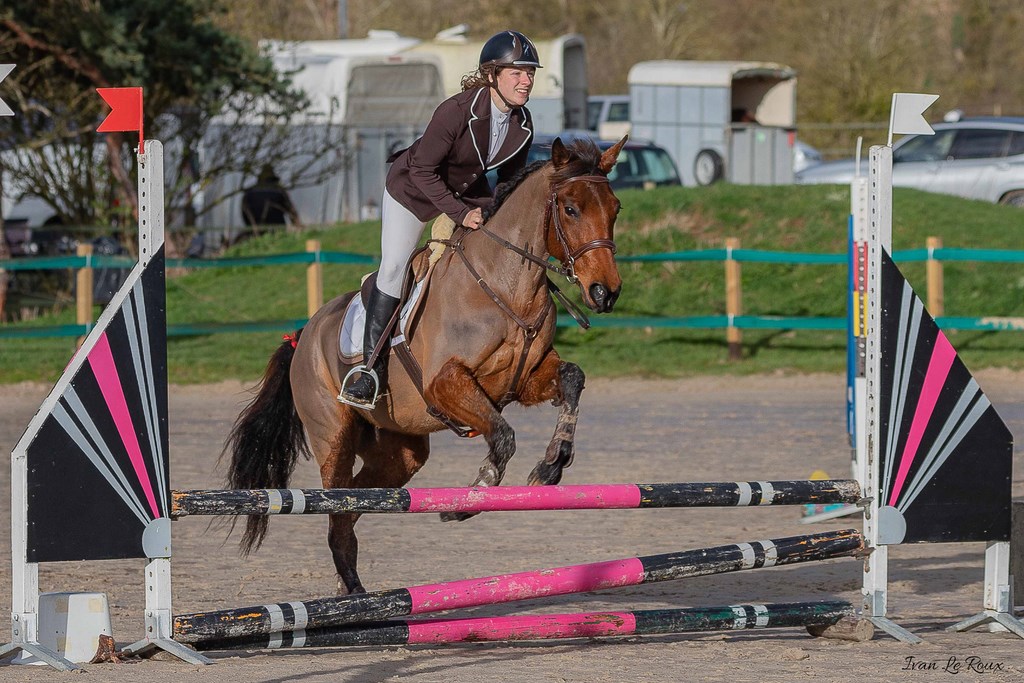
[{"x": 267, "y": 439}]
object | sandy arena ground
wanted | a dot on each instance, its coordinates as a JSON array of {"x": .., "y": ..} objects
[{"x": 704, "y": 429}]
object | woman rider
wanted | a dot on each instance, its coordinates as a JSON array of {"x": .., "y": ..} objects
[{"x": 484, "y": 127}]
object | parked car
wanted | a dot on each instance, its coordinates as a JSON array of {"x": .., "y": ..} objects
[
  {"x": 804, "y": 156},
  {"x": 978, "y": 158},
  {"x": 641, "y": 164},
  {"x": 25, "y": 224}
]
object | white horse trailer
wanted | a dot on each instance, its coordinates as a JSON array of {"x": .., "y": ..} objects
[
  {"x": 718, "y": 120},
  {"x": 369, "y": 101}
]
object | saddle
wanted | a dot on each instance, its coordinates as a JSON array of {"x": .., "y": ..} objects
[{"x": 414, "y": 288}]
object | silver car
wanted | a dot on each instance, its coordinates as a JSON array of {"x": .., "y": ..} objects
[{"x": 979, "y": 158}]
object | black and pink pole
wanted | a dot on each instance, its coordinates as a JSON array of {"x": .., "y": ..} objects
[
  {"x": 249, "y": 622},
  {"x": 549, "y": 626},
  {"x": 509, "y": 498}
]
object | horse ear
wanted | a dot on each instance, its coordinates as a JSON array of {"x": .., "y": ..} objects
[
  {"x": 559, "y": 154},
  {"x": 611, "y": 155}
]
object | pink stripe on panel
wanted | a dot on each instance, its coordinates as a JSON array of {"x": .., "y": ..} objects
[
  {"x": 525, "y": 585},
  {"x": 523, "y": 627},
  {"x": 101, "y": 359},
  {"x": 507, "y": 498},
  {"x": 935, "y": 378},
  {"x": 864, "y": 263}
]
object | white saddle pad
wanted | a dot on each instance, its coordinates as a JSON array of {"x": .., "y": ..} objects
[{"x": 352, "y": 327}]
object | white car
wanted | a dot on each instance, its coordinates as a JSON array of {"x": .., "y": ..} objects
[
  {"x": 979, "y": 158},
  {"x": 804, "y": 156}
]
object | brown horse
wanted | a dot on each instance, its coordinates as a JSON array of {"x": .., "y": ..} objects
[{"x": 482, "y": 335}]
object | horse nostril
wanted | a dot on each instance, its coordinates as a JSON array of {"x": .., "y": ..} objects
[{"x": 598, "y": 294}]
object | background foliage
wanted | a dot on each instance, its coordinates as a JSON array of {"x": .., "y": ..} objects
[{"x": 194, "y": 70}]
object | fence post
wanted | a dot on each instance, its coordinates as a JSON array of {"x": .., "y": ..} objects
[
  {"x": 733, "y": 299},
  {"x": 314, "y": 279},
  {"x": 936, "y": 293},
  {"x": 83, "y": 289}
]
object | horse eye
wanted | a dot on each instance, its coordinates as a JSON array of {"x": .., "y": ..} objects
[{"x": 571, "y": 211}]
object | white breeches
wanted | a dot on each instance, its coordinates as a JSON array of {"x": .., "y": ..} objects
[{"x": 399, "y": 235}]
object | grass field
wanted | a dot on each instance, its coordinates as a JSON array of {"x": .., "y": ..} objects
[{"x": 791, "y": 218}]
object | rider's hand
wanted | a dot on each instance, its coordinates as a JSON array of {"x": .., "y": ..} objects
[{"x": 473, "y": 219}]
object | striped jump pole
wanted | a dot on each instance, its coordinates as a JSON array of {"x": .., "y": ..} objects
[
  {"x": 507, "y": 498},
  {"x": 549, "y": 626},
  {"x": 363, "y": 607}
]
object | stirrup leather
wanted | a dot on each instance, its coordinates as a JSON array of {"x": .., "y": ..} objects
[{"x": 357, "y": 371}]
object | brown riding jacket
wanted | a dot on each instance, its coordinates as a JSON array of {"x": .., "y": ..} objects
[{"x": 444, "y": 170}]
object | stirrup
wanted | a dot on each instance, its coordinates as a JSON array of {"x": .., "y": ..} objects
[{"x": 360, "y": 370}]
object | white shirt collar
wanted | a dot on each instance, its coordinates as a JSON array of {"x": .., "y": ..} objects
[{"x": 499, "y": 115}]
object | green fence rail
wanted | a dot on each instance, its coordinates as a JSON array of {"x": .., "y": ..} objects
[
  {"x": 751, "y": 322},
  {"x": 944, "y": 254},
  {"x": 99, "y": 261}
]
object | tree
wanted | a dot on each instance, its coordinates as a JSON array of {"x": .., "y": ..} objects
[{"x": 197, "y": 78}]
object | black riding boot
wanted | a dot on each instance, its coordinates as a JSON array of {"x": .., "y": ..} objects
[{"x": 360, "y": 387}]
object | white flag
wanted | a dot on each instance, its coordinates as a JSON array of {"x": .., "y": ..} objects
[
  {"x": 4, "y": 70},
  {"x": 907, "y": 114}
]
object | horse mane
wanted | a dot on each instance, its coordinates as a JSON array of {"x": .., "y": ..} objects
[{"x": 584, "y": 156}]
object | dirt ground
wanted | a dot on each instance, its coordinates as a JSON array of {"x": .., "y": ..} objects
[{"x": 703, "y": 429}]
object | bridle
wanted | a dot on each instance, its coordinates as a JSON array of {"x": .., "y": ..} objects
[{"x": 569, "y": 262}]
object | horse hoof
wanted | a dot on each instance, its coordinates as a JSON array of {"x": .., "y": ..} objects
[
  {"x": 566, "y": 453},
  {"x": 457, "y": 516},
  {"x": 545, "y": 475},
  {"x": 344, "y": 590}
]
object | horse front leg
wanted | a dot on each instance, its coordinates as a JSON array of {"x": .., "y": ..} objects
[
  {"x": 562, "y": 384},
  {"x": 457, "y": 394}
]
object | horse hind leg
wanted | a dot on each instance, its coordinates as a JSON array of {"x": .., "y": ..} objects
[
  {"x": 456, "y": 393},
  {"x": 389, "y": 461},
  {"x": 561, "y": 450},
  {"x": 336, "y": 471}
]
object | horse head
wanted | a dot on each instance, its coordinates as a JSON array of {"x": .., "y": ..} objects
[{"x": 582, "y": 213}]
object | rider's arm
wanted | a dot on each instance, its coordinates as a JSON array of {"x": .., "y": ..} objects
[{"x": 437, "y": 143}]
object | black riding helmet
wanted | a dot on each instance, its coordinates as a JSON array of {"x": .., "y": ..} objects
[{"x": 509, "y": 48}]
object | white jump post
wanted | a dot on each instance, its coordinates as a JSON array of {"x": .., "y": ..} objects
[{"x": 876, "y": 570}]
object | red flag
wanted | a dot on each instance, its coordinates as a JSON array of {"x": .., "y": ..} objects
[{"x": 125, "y": 111}]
